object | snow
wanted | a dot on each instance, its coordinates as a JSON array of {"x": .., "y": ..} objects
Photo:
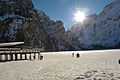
[
  {"x": 110, "y": 11},
  {"x": 31, "y": 11},
  {"x": 92, "y": 65},
  {"x": 13, "y": 28},
  {"x": 6, "y": 16}
]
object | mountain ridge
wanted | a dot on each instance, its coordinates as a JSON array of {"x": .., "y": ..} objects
[{"x": 103, "y": 32}]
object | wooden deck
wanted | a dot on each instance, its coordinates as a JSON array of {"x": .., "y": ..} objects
[{"x": 19, "y": 55}]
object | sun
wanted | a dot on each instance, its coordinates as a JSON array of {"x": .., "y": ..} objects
[{"x": 80, "y": 16}]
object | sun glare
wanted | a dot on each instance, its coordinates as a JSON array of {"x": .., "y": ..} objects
[{"x": 80, "y": 16}]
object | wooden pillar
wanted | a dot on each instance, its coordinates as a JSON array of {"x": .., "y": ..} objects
[
  {"x": 34, "y": 56},
  {"x": 20, "y": 56},
  {"x": 16, "y": 57},
  {"x": 6, "y": 57},
  {"x": 11, "y": 56},
  {"x": 26, "y": 56},
  {"x": 39, "y": 56},
  {"x": 0, "y": 57},
  {"x": 30, "y": 56}
]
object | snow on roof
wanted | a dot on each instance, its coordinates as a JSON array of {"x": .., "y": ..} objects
[{"x": 10, "y": 44}]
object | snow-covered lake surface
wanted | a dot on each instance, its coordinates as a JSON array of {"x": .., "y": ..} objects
[{"x": 92, "y": 65}]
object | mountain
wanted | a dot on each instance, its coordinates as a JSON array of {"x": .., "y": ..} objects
[
  {"x": 98, "y": 31},
  {"x": 20, "y": 21}
]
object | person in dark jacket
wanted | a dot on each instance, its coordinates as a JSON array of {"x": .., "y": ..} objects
[
  {"x": 119, "y": 61},
  {"x": 77, "y": 55},
  {"x": 41, "y": 57}
]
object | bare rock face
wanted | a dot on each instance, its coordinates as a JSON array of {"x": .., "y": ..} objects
[
  {"x": 13, "y": 13},
  {"x": 19, "y": 21},
  {"x": 57, "y": 33},
  {"x": 103, "y": 31},
  {"x": 15, "y": 6},
  {"x": 32, "y": 32}
]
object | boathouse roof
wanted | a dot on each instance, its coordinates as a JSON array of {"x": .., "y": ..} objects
[{"x": 10, "y": 44}]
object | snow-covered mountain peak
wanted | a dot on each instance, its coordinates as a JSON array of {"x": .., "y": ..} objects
[{"x": 102, "y": 31}]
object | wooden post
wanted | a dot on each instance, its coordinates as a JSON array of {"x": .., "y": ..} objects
[
  {"x": 20, "y": 56},
  {"x": 30, "y": 56},
  {"x": 34, "y": 56},
  {"x": 0, "y": 57},
  {"x": 39, "y": 56},
  {"x": 11, "y": 56},
  {"x": 6, "y": 57},
  {"x": 16, "y": 58},
  {"x": 26, "y": 56}
]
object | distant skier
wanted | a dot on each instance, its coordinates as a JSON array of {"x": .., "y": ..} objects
[
  {"x": 72, "y": 54},
  {"x": 77, "y": 55}
]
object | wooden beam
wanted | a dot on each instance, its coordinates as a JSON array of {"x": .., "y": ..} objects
[
  {"x": 25, "y": 56},
  {"x": 10, "y": 49}
]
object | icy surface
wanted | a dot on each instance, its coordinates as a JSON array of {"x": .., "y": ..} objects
[{"x": 92, "y": 65}]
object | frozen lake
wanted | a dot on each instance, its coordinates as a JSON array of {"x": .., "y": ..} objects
[{"x": 92, "y": 65}]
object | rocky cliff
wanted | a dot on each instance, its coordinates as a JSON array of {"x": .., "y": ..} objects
[
  {"x": 98, "y": 31},
  {"x": 19, "y": 21}
]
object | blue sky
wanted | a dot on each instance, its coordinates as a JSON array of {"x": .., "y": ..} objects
[{"x": 64, "y": 10}]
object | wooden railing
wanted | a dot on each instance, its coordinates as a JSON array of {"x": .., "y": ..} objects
[
  {"x": 10, "y": 54},
  {"x": 10, "y": 49}
]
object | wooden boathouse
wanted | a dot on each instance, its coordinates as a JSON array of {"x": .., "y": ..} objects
[{"x": 16, "y": 51}]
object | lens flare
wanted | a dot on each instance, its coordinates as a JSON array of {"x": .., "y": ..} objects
[{"x": 80, "y": 16}]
